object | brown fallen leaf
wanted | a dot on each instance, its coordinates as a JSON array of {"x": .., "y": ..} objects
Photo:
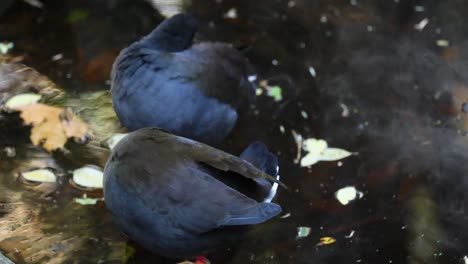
[{"x": 52, "y": 126}]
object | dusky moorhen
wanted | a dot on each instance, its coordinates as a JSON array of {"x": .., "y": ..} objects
[
  {"x": 180, "y": 198},
  {"x": 195, "y": 91}
]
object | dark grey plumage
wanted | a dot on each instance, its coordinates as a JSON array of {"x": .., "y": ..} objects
[
  {"x": 196, "y": 91},
  {"x": 180, "y": 198}
]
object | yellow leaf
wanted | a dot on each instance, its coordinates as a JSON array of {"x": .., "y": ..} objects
[
  {"x": 326, "y": 241},
  {"x": 51, "y": 126}
]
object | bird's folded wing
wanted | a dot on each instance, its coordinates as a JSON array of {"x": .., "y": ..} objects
[
  {"x": 213, "y": 205},
  {"x": 224, "y": 161}
]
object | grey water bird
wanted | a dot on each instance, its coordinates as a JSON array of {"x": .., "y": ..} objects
[
  {"x": 192, "y": 90},
  {"x": 180, "y": 198}
]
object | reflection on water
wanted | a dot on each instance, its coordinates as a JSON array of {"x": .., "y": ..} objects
[{"x": 385, "y": 79}]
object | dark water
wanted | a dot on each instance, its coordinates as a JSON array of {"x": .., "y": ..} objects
[{"x": 403, "y": 86}]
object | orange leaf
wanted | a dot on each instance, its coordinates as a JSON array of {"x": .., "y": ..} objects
[{"x": 52, "y": 126}]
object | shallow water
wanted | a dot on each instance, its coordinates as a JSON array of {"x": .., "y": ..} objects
[{"x": 370, "y": 77}]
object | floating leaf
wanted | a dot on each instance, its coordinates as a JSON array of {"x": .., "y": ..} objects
[
  {"x": 22, "y": 100},
  {"x": 88, "y": 176},
  {"x": 348, "y": 194},
  {"x": 5, "y": 47},
  {"x": 303, "y": 231},
  {"x": 51, "y": 126},
  {"x": 275, "y": 93},
  {"x": 314, "y": 145},
  {"x": 318, "y": 150},
  {"x": 309, "y": 160},
  {"x": 39, "y": 175},
  {"x": 326, "y": 241},
  {"x": 332, "y": 154}
]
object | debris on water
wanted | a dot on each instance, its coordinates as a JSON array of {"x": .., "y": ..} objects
[
  {"x": 291, "y": 4},
  {"x": 419, "y": 8},
  {"x": 281, "y": 128},
  {"x": 370, "y": 28},
  {"x": 259, "y": 91},
  {"x": 326, "y": 241},
  {"x": 303, "y": 231},
  {"x": 85, "y": 200},
  {"x": 34, "y": 3},
  {"x": 351, "y": 234},
  {"x": 89, "y": 176},
  {"x": 22, "y": 100},
  {"x": 57, "y": 57},
  {"x": 312, "y": 71},
  {"x": 10, "y": 152},
  {"x": 298, "y": 139},
  {"x": 275, "y": 62},
  {"x": 285, "y": 216},
  {"x": 422, "y": 24},
  {"x": 345, "y": 110},
  {"x": 304, "y": 114},
  {"x": 348, "y": 194},
  {"x": 442, "y": 43},
  {"x": 275, "y": 93},
  {"x": 39, "y": 176},
  {"x": 323, "y": 19},
  {"x": 272, "y": 91},
  {"x": 231, "y": 13},
  {"x": 5, "y": 47}
]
